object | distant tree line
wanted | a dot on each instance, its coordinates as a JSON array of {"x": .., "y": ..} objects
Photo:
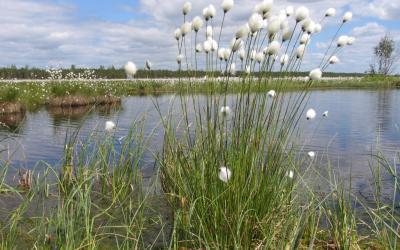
[{"x": 26, "y": 72}]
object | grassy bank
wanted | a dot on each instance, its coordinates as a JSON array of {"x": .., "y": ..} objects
[{"x": 34, "y": 94}]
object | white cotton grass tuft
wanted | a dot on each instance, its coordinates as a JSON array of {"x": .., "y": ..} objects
[
  {"x": 207, "y": 46},
  {"x": 148, "y": 65},
  {"x": 209, "y": 12},
  {"x": 289, "y": 10},
  {"x": 264, "y": 7},
  {"x": 289, "y": 174},
  {"x": 304, "y": 38},
  {"x": 317, "y": 28},
  {"x": 255, "y": 23},
  {"x": 311, "y": 154},
  {"x": 315, "y": 74},
  {"x": 232, "y": 69},
  {"x": 220, "y": 53},
  {"x": 274, "y": 26},
  {"x": 178, "y": 34},
  {"x": 253, "y": 54},
  {"x": 305, "y": 24},
  {"x": 273, "y": 48},
  {"x": 227, "y": 54},
  {"x": 197, "y": 23},
  {"x": 264, "y": 24},
  {"x": 330, "y": 12},
  {"x": 206, "y": 13},
  {"x": 109, "y": 126},
  {"x": 342, "y": 41},
  {"x": 325, "y": 114},
  {"x": 224, "y": 54},
  {"x": 260, "y": 57},
  {"x": 301, "y": 14},
  {"x": 214, "y": 45},
  {"x": 209, "y": 32},
  {"x": 227, "y": 5},
  {"x": 271, "y": 93},
  {"x": 334, "y": 60},
  {"x": 242, "y": 32},
  {"x": 225, "y": 111},
  {"x": 130, "y": 69},
  {"x": 186, "y": 28},
  {"x": 236, "y": 44},
  {"x": 282, "y": 14},
  {"x": 248, "y": 70},
  {"x": 242, "y": 54},
  {"x": 287, "y": 34},
  {"x": 310, "y": 28},
  {"x": 180, "y": 58},
  {"x": 347, "y": 16},
  {"x": 284, "y": 24},
  {"x": 351, "y": 40},
  {"x": 224, "y": 174},
  {"x": 284, "y": 59},
  {"x": 311, "y": 114},
  {"x": 300, "y": 51},
  {"x": 187, "y": 7},
  {"x": 199, "y": 48}
]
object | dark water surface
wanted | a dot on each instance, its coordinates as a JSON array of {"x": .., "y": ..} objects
[{"x": 359, "y": 122}]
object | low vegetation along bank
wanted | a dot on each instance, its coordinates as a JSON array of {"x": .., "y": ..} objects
[{"x": 18, "y": 96}]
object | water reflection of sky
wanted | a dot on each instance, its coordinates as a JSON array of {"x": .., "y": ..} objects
[{"x": 358, "y": 122}]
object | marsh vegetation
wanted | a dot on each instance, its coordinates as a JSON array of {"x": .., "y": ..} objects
[{"x": 231, "y": 170}]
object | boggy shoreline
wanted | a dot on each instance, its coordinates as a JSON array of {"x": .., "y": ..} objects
[
  {"x": 16, "y": 107},
  {"x": 11, "y": 108},
  {"x": 79, "y": 101}
]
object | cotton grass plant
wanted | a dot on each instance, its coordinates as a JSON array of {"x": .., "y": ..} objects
[
  {"x": 95, "y": 200},
  {"x": 235, "y": 178}
]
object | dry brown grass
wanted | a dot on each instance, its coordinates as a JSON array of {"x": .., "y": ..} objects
[
  {"x": 11, "y": 108},
  {"x": 78, "y": 101}
]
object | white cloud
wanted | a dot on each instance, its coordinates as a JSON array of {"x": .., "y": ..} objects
[
  {"x": 41, "y": 33},
  {"x": 369, "y": 28},
  {"x": 383, "y": 9},
  {"x": 44, "y": 34},
  {"x": 321, "y": 45}
]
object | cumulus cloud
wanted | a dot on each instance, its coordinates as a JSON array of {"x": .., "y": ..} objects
[
  {"x": 383, "y": 9},
  {"x": 369, "y": 28},
  {"x": 47, "y": 34},
  {"x": 43, "y": 33}
]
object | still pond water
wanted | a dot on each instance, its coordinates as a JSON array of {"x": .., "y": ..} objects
[{"x": 359, "y": 122}]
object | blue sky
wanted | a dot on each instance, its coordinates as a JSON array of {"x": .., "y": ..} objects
[
  {"x": 89, "y": 33},
  {"x": 114, "y": 11}
]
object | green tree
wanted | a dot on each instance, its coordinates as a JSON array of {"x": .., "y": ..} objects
[{"x": 385, "y": 56}]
